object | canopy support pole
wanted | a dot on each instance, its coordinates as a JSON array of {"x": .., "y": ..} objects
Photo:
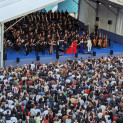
[
  {"x": 1, "y": 43},
  {"x": 14, "y": 23}
]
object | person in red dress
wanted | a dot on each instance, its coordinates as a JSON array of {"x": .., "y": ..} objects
[{"x": 72, "y": 48}]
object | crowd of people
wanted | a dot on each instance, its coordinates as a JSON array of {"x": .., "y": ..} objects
[{"x": 82, "y": 91}]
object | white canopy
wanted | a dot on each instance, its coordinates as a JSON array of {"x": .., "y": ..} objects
[
  {"x": 119, "y": 2},
  {"x": 11, "y": 9}
]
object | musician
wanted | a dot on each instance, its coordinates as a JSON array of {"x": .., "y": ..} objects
[
  {"x": 66, "y": 37},
  {"x": 105, "y": 41},
  {"x": 5, "y": 44},
  {"x": 49, "y": 25},
  {"x": 27, "y": 48},
  {"x": 18, "y": 44},
  {"x": 57, "y": 46},
  {"x": 94, "y": 39},
  {"x": 100, "y": 41},
  {"x": 89, "y": 44},
  {"x": 37, "y": 47},
  {"x": 43, "y": 47},
  {"x": 31, "y": 45},
  {"x": 85, "y": 41}
]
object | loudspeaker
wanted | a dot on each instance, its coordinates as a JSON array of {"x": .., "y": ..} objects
[
  {"x": 57, "y": 56},
  {"x": 37, "y": 58},
  {"x": 111, "y": 52},
  {"x": 97, "y": 18},
  {"x": 94, "y": 53},
  {"x": 109, "y": 22},
  {"x": 5, "y": 56},
  {"x": 17, "y": 59},
  {"x": 76, "y": 55}
]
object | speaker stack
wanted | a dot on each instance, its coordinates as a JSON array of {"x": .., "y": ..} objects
[
  {"x": 38, "y": 58},
  {"x": 111, "y": 52},
  {"x": 17, "y": 59},
  {"x": 94, "y": 53},
  {"x": 5, "y": 56},
  {"x": 76, "y": 55},
  {"x": 97, "y": 18},
  {"x": 109, "y": 22},
  {"x": 57, "y": 56}
]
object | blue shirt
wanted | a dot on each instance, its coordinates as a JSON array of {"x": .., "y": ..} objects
[{"x": 41, "y": 93}]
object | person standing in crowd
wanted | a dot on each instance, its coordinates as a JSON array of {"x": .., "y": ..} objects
[{"x": 79, "y": 91}]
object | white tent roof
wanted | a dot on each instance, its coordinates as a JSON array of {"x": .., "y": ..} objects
[
  {"x": 119, "y": 2},
  {"x": 11, "y": 9}
]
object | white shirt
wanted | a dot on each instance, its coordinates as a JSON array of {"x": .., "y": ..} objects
[
  {"x": 46, "y": 87},
  {"x": 100, "y": 115},
  {"x": 5, "y": 81},
  {"x": 33, "y": 112},
  {"x": 46, "y": 112},
  {"x": 1, "y": 110},
  {"x": 89, "y": 43},
  {"x": 10, "y": 102},
  {"x": 68, "y": 121},
  {"x": 103, "y": 108},
  {"x": 13, "y": 120},
  {"x": 38, "y": 97},
  {"x": 32, "y": 66},
  {"x": 1, "y": 77},
  {"x": 81, "y": 102},
  {"x": 38, "y": 110},
  {"x": 54, "y": 86},
  {"x": 108, "y": 121},
  {"x": 68, "y": 80},
  {"x": 106, "y": 117}
]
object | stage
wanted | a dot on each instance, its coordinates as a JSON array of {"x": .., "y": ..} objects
[{"x": 12, "y": 55}]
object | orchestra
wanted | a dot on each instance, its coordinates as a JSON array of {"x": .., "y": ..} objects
[{"x": 44, "y": 30}]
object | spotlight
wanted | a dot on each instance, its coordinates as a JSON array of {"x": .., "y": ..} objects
[
  {"x": 110, "y": 6},
  {"x": 99, "y": 3}
]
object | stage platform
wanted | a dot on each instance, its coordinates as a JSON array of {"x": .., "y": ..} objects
[{"x": 12, "y": 55}]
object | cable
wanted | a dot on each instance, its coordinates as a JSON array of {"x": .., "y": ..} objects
[
  {"x": 90, "y": 5},
  {"x": 75, "y": 2},
  {"x": 14, "y": 23}
]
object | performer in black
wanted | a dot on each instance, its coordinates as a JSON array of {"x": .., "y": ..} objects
[
  {"x": 37, "y": 46},
  {"x": 27, "y": 48},
  {"x": 57, "y": 46},
  {"x": 64, "y": 44},
  {"x": 43, "y": 47}
]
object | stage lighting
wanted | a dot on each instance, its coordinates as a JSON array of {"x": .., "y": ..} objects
[
  {"x": 99, "y": 2},
  {"x": 110, "y": 6}
]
